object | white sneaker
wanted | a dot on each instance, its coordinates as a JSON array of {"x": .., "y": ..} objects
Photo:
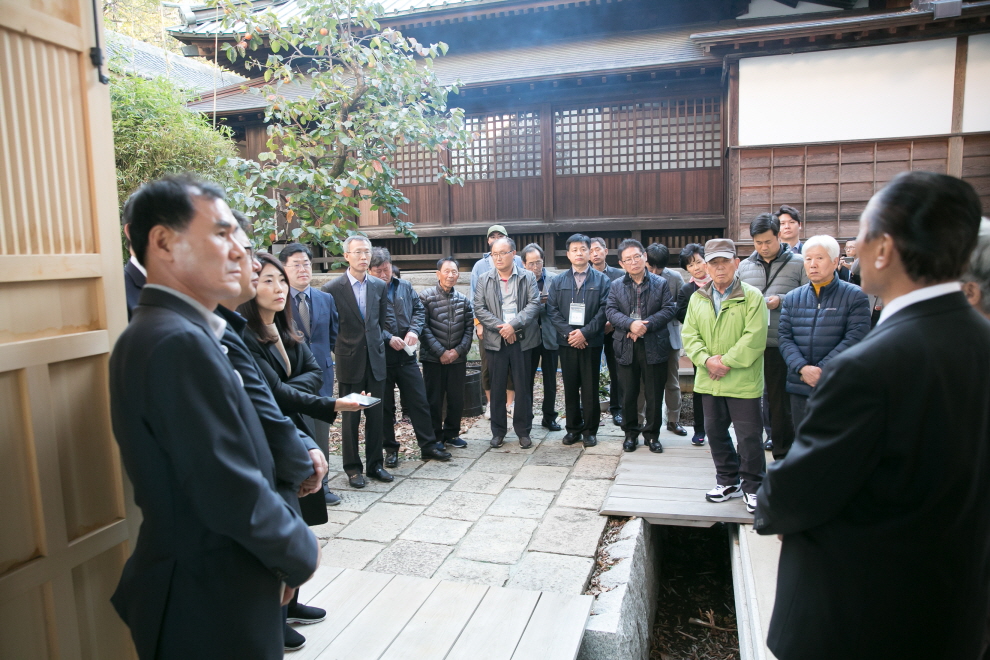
[
  {"x": 509, "y": 408},
  {"x": 723, "y": 493},
  {"x": 750, "y": 500},
  {"x": 488, "y": 410}
]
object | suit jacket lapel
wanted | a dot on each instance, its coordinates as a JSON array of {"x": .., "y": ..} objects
[{"x": 273, "y": 350}]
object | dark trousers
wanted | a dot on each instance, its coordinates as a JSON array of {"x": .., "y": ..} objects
[
  {"x": 775, "y": 375},
  {"x": 652, "y": 378},
  {"x": 486, "y": 374},
  {"x": 412, "y": 393},
  {"x": 351, "y": 421},
  {"x": 799, "y": 410},
  {"x": 699, "y": 411},
  {"x": 748, "y": 463},
  {"x": 615, "y": 398},
  {"x": 445, "y": 381},
  {"x": 510, "y": 359},
  {"x": 579, "y": 369},
  {"x": 548, "y": 360}
]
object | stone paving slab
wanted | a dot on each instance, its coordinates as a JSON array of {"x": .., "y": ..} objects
[
  {"x": 410, "y": 558},
  {"x": 335, "y": 463},
  {"x": 336, "y": 515},
  {"x": 609, "y": 447},
  {"x": 517, "y": 503},
  {"x": 383, "y": 522},
  {"x": 327, "y": 530},
  {"x": 569, "y": 532},
  {"x": 405, "y": 468},
  {"x": 339, "y": 484},
  {"x": 474, "y": 449},
  {"x": 416, "y": 491},
  {"x": 344, "y": 553},
  {"x": 595, "y": 467},
  {"x": 475, "y": 572},
  {"x": 540, "y": 477},
  {"x": 500, "y": 462},
  {"x": 497, "y": 540},
  {"x": 489, "y": 483},
  {"x": 356, "y": 500},
  {"x": 584, "y": 493},
  {"x": 460, "y": 506},
  {"x": 511, "y": 446},
  {"x": 560, "y": 574},
  {"x": 448, "y": 470},
  {"x": 555, "y": 456},
  {"x": 444, "y": 531}
]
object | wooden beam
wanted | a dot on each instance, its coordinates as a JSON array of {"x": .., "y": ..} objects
[
  {"x": 547, "y": 165},
  {"x": 955, "y": 157}
]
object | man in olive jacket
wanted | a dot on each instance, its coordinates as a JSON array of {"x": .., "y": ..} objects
[{"x": 725, "y": 334}]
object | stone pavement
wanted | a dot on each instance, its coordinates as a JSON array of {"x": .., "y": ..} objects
[{"x": 523, "y": 518}]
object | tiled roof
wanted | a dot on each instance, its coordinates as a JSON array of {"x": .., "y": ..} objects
[{"x": 148, "y": 61}]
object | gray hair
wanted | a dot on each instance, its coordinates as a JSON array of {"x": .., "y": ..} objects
[
  {"x": 979, "y": 266},
  {"x": 508, "y": 241},
  {"x": 379, "y": 255},
  {"x": 355, "y": 237},
  {"x": 829, "y": 244}
]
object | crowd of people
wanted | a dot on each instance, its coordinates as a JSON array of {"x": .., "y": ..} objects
[{"x": 222, "y": 391}]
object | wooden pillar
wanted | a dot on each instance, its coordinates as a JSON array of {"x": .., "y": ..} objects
[
  {"x": 954, "y": 165},
  {"x": 547, "y": 160},
  {"x": 731, "y": 162}
]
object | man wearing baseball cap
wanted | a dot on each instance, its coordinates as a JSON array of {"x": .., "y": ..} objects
[
  {"x": 481, "y": 267},
  {"x": 725, "y": 334}
]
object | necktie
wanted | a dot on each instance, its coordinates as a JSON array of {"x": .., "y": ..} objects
[{"x": 303, "y": 312}]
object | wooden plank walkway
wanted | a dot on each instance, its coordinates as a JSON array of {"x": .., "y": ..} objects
[
  {"x": 669, "y": 489},
  {"x": 397, "y": 617}
]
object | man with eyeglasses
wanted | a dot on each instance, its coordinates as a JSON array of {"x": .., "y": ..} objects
[
  {"x": 545, "y": 353},
  {"x": 316, "y": 315},
  {"x": 365, "y": 319},
  {"x": 599, "y": 252},
  {"x": 576, "y": 306}
]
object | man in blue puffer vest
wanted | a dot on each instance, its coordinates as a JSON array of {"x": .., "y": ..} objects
[{"x": 818, "y": 321}]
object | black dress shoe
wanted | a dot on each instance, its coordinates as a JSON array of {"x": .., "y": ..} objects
[
  {"x": 571, "y": 438},
  {"x": 590, "y": 440},
  {"x": 356, "y": 481},
  {"x": 768, "y": 445},
  {"x": 676, "y": 428},
  {"x": 525, "y": 442},
  {"x": 379, "y": 474},
  {"x": 304, "y": 614},
  {"x": 433, "y": 452},
  {"x": 630, "y": 444},
  {"x": 330, "y": 498},
  {"x": 293, "y": 640},
  {"x": 550, "y": 424},
  {"x": 497, "y": 441},
  {"x": 391, "y": 459},
  {"x": 656, "y": 447},
  {"x": 456, "y": 442},
  {"x": 617, "y": 419}
]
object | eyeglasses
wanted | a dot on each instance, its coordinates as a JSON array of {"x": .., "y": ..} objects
[
  {"x": 360, "y": 253},
  {"x": 633, "y": 259},
  {"x": 499, "y": 255},
  {"x": 299, "y": 266}
]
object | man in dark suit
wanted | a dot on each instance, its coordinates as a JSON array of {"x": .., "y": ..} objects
[
  {"x": 214, "y": 528},
  {"x": 599, "y": 252},
  {"x": 365, "y": 319},
  {"x": 134, "y": 277},
  {"x": 316, "y": 314},
  {"x": 884, "y": 498}
]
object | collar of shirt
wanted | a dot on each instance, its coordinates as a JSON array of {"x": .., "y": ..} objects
[
  {"x": 137, "y": 265},
  {"x": 305, "y": 292},
  {"x": 353, "y": 280},
  {"x": 217, "y": 324},
  {"x": 925, "y": 293}
]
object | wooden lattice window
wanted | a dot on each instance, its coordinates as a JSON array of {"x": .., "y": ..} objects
[
  {"x": 662, "y": 135},
  {"x": 507, "y": 146},
  {"x": 416, "y": 165}
]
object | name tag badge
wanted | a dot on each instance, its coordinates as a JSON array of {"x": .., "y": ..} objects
[
  {"x": 508, "y": 313},
  {"x": 576, "y": 316}
]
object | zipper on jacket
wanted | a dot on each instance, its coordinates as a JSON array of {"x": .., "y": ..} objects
[{"x": 814, "y": 325}]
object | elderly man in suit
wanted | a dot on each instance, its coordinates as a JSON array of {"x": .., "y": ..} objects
[
  {"x": 544, "y": 354},
  {"x": 365, "y": 320},
  {"x": 214, "y": 529},
  {"x": 316, "y": 314},
  {"x": 883, "y": 501}
]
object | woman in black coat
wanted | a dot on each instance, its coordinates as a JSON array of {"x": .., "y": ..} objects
[{"x": 693, "y": 261}]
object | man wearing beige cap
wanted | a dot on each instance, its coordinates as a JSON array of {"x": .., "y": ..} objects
[
  {"x": 481, "y": 267},
  {"x": 725, "y": 334}
]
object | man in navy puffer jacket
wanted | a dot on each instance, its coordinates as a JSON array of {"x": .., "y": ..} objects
[{"x": 818, "y": 321}]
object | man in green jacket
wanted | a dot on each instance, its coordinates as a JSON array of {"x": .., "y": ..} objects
[{"x": 725, "y": 334}]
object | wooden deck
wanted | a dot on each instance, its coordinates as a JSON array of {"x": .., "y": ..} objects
[
  {"x": 396, "y": 617},
  {"x": 669, "y": 489}
]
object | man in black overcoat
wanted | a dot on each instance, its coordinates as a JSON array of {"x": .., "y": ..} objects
[
  {"x": 219, "y": 549},
  {"x": 883, "y": 501}
]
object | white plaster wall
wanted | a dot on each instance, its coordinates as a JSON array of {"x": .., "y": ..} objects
[
  {"x": 873, "y": 92},
  {"x": 976, "y": 103},
  {"x": 766, "y": 8}
]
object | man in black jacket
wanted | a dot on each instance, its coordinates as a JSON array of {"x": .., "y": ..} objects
[
  {"x": 576, "y": 305},
  {"x": 365, "y": 319},
  {"x": 446, "y": 340},
  {"x": 214, "y": 528},
  {"x": 599, "y": 252},
  {"x": 884, "y": 498},
  {"x": 400, "y": 359}
]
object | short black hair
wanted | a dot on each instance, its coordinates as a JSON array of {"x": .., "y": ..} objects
[
  {"x": 934, "y": 220},
  {"x": 167, "y": 201},
  {"x": 441, "y": 262},
  {"x": 791, "y": 211},
  {"x": 629, "y": 243},
  {"x": 294, "y": 248},
  {"x": 242, "y": 220},
  {"x": 688, "y": 252},
  {"x": 763, "y": 223},
  {"x": 600, "y": 241},
  {"x": 512, "y": 243},
  {"x": 577, "y": 238},
  {"x": 379, "y": 255},
  {"x": 532, "y": 247},
  {"x": 657, "y": 255}
]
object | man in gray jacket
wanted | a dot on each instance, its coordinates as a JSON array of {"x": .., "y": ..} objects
[
  {"x": 544, "y": 354},
  {"x": 507, "y": 304},
  {"x": 775, "y": 271},
  {"x": 658, "y": 256}
]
